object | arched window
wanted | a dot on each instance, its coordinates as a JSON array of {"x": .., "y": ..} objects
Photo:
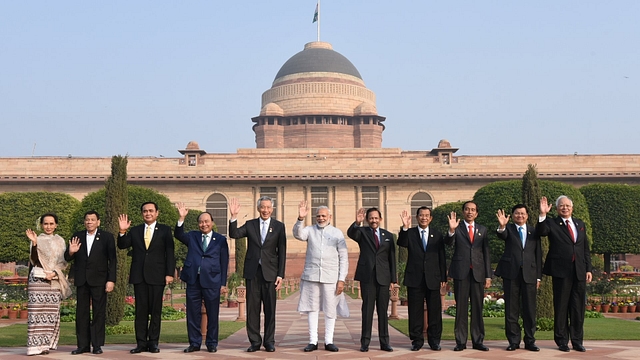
[
  {"x": 217, "y": 206},
  {"x": 420, "y": 199}
]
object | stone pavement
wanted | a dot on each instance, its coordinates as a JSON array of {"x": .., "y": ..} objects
[{"x": 292, "y": 337}]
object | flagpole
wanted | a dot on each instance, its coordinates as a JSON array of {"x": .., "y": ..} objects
[{"x": 318, "y": 20}]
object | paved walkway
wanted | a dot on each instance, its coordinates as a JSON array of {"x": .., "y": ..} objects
[{"x": 292, "y": 337}]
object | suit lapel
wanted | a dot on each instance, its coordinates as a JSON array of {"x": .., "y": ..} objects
[{"x": 256, "y": 225}]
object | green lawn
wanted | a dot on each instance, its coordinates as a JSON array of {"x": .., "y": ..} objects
[
  {"x": 594, "y": 329},
  {"x": 172, "y": 332}
]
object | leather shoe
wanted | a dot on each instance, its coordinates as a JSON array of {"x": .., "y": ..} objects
[
  {"x": 253, "y": 348},
  {"x": 532, "y": 347},
  {"x": 97, "y": 350},
  {"x": 311, "y": 347},
  {"x": 364, "y": 348},
  {"x": 459, "y": 347},
  {"x": 138, "y": 350},
  {"x": 79, "y": 351},
  {"x": 579, "y": 348},
  {"x": 386, "y": 348},
  {"x": 270, "y": 348},
  {"x": 435, "y": 347},
  {"x": 564, "y": 348},
  {"x": 212, "y": 348},
  {"x": 154, "y": 349},
  {"x": 415, "y": 347},
  {"x": 480, "y": 347},
  {"x": 192, "y": 348},
  {"x": 331, "y": 347},
  {"x": 513, "y": 347}
]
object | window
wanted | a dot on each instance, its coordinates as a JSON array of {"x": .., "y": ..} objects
[
  {"x": 192, "y": 160},
  {"x": 420, "y": 199},
  {"x": 370, "y": 197},
  {"x": 319, "y": 197},
  {"x": 271, "y": 192},
  {"x": 217, "y": 207}
]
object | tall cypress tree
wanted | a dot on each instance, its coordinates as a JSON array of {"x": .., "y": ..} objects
[
  {"x": 531, "y": 195},
  {"x": 117, "y": 203}
]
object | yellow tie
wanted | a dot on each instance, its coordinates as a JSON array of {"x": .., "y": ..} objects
[{"x": 147, "y": 237}]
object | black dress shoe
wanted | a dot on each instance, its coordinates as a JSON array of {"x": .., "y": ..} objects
[
  {"x": 253, "y": 348},
  {"x": 513, "y": 347},
  {"x": 192, "y": 348},
  {"x": 311, "y": 347},
  {"x": 532, "y": 347},
  {"x": 331, "y": 347},
  {"x": 386, "y": 348},
  {"x": 79, "y": 351},
  {"x": 579, "y": 348},
  {"x": 212, "y": 348},
  {"x": 138, "y": 350},
  {"x": 154, "y": 349},
  {"x": 415, "y": 347},
  {"x": 435, "y": 347},
  {"x": 459, "y": 347},
  {"x": 97, "y": 350},
  {"x": 270, "y": 348},
  {"x": 564, "y": 348},
  {"x": 364, "y": 348},
  {"x": 480, "y": 347}
]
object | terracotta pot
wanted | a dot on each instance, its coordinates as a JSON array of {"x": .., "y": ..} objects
[
  {"x": 632, "y": 308},
  {"x": 232, "y": 303},
  {"x": 24, "y": 314},
  {"x": 605, "y": 308},
  {"x": 404, "y": 302},
  {"x": 615, "y": 308},
  {"x": 4, "y": 312},
  {"x": 597, "y": 307},
  {"x": 624, "y": 308},
  {"x": 13, "y": 314}
]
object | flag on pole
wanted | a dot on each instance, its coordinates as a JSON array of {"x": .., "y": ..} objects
[{"x": 315, "y": 15}]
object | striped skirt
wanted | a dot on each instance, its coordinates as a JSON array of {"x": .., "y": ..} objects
[{"x": 44, "y": 317}]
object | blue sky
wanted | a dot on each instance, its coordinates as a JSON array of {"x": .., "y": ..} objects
[{"x": 144, "y": 78}]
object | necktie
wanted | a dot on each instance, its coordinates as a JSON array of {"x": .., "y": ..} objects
[
  {"x": 424, "y": 240},
  {"x": 204, "y": 242},
  {"x": 471, "y": 233},
  {"x": 522, "y": 237},
  {"x": 573, "y": 237},
  {"x": 375, "y": 237},
  {"x": 147, "y": 237},
  {"x": 263, "y": 232}
]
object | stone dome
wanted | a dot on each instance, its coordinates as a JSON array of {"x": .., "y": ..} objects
[
  {"x": 193, "y": 145},
  {"x": 318, "y": 57},
  {"x": 271, "y": 109}
]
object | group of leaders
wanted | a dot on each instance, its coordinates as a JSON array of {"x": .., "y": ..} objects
[{"x": 326, "y": 265}]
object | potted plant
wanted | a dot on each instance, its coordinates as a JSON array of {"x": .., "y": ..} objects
[
  {"x": 233, "y": 282},
  {"x": 13, "y": 312},
  {"x": 4, "y": 311},
  {"x": 605, "y": 305},
  {"x": 614, "y": 307},
  {"x": 23, "y": 312}
]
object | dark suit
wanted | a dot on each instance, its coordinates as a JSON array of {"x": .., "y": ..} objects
[
  {"x": 376, "y": 270},
  {"x": 520, "y": 269},
  {"x": 568, "y": 263},
  {"x": 91, "y": 273},
  {"x": 470, "y": 267},
  {"x": 205, "y": 271},
  {"x": 149, "y": 267},
  {"x": 424, "y": 272},
  {"x": 262, "y": 265}
]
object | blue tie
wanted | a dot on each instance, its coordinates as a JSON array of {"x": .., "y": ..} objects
[
  {"x": 522, "y": 237},
  {"x": 424, "y": 241},
  {"x": 204, "y": 242}
]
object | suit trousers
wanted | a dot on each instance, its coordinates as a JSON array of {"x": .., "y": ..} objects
[
  {"x": 516, "y": 291},
  {"x": 416, "y": 297},
  {"x": 195, "y": 295},
  {"x": 463, "y": 290},
  {"x": 91, "y": 331},
  {"x": 568, "y": 309},
  {"x": 374, "y": 294},
  {"x": 148, "y": 302},
  {"x": 261, "y": 292}
]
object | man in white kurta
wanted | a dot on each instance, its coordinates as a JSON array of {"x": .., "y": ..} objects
[{"x": 325, "y": 269}]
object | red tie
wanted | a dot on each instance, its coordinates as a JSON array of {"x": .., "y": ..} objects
[
  {"x": 375, "y": 237},
  {"x": 471, "y": 233},
  {"x": 573, "y": 238}
]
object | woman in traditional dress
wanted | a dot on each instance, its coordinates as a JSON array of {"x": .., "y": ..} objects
[{"x": 47, "y": 286}]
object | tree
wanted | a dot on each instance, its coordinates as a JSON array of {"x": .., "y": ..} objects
[
  {"x": 20, "y": 211},
  {"x": 241, "y": 254},
  {"x": 440, "y": 222}
]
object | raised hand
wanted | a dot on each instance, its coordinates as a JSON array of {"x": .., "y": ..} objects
[
  {"x": 74, "y": 245},
  {"x": 234, "y": 208},
  {"x": 182, "y": 211},
  {"x": 360, "y": 215},
  {"x": 124, "y": 223},
  {"x": 502, "y": 219},
  {"x": 453, "y": 221},
  {"x": 545, "y": 207},
  {"x": 303, "y": 210},
  {"x": 32, "y": 236},
  {"x": 406, "y": 219}
]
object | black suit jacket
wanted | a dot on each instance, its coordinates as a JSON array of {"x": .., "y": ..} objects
[
  {"x": 383, "y": 259},
  {"x": 153, "y": 264},
  {"x": 562, "y": 249},
  {"x": 514, "y": 256},
  {"x": 423, "y": 265},
  {"x": 273, "y": 252},
  {"x": 467, "y": 254},
  {"x": 98, "y": 267}
]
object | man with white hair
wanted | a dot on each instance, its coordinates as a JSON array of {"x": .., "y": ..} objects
[{"x": 325, "y": 269}]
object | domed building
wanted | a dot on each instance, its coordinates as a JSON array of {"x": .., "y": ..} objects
[{"x": 318, "y": 100}]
